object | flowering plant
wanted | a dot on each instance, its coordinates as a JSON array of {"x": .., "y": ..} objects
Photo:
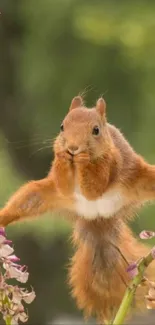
[
  {"x": 136, "y": 271},
  {"x": 12, "y": 297}
]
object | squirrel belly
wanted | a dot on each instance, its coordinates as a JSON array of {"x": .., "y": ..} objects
[{"x": 105, "y": 206}]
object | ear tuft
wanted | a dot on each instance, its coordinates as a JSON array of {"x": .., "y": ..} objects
[
  {"x": 101, "y": 107},
  {"x": 76, "y": 102}
]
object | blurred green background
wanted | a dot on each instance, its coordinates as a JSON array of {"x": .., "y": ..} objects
[{"x": 50, "y": 51}]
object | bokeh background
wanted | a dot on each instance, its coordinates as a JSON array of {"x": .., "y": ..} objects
[{"x": 50, "y": 51}]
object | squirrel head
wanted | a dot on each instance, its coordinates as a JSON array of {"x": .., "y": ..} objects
[{"x": 84, "y": 129}]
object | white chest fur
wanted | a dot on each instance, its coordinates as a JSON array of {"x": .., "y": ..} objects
[{"x": 105, "y": 206}]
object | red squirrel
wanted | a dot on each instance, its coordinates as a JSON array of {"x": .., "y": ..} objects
[{"x": 100, "y": 181}]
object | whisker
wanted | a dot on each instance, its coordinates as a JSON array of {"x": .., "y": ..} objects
[
  {"x": 87, "y": 89},
  {"x": 31, "y": 144},
  {"x": 104, "y": 93},
  {"x": 26, "y": 143},
  {"x": 53, "y": 140},
  {"x": 118, "y": 249},
  {"x": 126, "y": 285},
  {"x": 42, "y": 148},
  {"x": 34, "y": 138},
  {"x": 120, "y": 252}
]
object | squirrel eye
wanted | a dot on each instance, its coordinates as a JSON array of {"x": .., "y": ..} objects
[
  {"x": 62, "y": 127},
  {"x": 96, "y": 130}
]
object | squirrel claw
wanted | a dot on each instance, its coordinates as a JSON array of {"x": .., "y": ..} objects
[
  {"x": 82, "y": 158},
  {"x": 64, "y": 155}
]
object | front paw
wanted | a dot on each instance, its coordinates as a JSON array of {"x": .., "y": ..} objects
[
  {"x": 82, "y": 158},
  {"x": 63, "y": 155}
]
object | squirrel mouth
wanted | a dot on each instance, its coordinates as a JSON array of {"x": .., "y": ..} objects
[{"x": 71, "y": 154}]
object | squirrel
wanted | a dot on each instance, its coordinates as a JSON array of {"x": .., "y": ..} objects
[{"x": 99, "y": 182}]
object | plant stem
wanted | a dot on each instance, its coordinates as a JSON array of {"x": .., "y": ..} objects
[
  {"x": 129, "y": 294},
  {"x": 8, "y": 320}
]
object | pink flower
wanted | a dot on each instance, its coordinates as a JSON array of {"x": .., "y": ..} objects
[
  {"x": 5, "y": 250},
  {"x": 14, "y": 271},
  {"x": 132, "y": 270},
  {"x": 2, "y": 232},
  {"x": 13, "y": 258},
  {"x": 146, "y": 234},
  {"x": 16, "y": 313},
  {"x": 2, "y": 239},
  {"x": 29, "y": 297},
  {"x": 23, "y": 317},
  {"x": 11, "y": 297},
  {"x": 22, "y": 294},
  {"x": 153, "y": 252}
]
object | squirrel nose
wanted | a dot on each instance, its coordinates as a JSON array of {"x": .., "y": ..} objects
[{"x": 73, "y": 149}]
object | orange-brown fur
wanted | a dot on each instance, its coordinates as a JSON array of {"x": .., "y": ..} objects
[
  {"x": 98, "y": 274},
  {"x": 97, "y": 163}
]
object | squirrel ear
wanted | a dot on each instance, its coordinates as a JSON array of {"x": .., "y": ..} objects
[
  {"x": 76, "y": 102},
  {"x": 101, "y": 107}
]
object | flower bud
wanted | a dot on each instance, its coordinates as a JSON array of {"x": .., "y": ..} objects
[
  {"x": 132, "y": 270},
  {"x": 146, "y": 234}
]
